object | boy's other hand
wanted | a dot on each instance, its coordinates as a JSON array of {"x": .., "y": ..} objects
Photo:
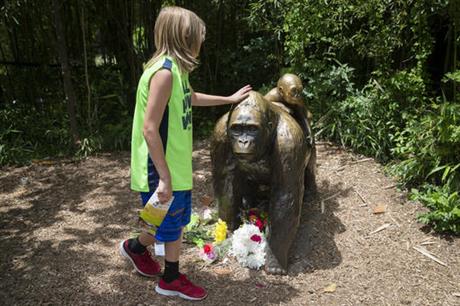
[
  {"x": 241, "y": 94},
  {"x": 164, "y": 191}
]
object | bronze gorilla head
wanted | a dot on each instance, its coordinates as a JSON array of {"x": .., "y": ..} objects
[
  {"x": 290, "y": 88},
  {"x": 251, "y": 127}
]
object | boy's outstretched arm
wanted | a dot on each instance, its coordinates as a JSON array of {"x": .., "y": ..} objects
[
  {"x": 159, "y": 93},
  {"x": 201, "y": 99}
]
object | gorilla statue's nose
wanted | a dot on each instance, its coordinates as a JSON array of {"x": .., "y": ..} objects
[{"x": 244, "y": 142}]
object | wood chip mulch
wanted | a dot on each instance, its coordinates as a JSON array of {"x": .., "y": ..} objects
[{"x": 358, "y": 244}]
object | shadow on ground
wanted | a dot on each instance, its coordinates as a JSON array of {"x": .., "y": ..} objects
[{"x": 314, "y": 247}]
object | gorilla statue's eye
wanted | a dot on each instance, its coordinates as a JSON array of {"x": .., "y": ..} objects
[
  {"x": 295, "y": 92},
  {"x": 236, "y": 128},
  {"x": 251, "y": 128},
  {"x": 243, "y": 128}
]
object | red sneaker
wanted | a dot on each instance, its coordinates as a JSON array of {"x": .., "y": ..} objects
[
  {"x": 143, "y": 263},
  {"x": 181, "y": 287}
]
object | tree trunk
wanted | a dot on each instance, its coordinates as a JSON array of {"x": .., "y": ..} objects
[
  {"x": 89, "y": 118},
  {"x": 455, "y": 16},
  {"x": 69, "y": 91},
  {"x": 121, "y": 21}
]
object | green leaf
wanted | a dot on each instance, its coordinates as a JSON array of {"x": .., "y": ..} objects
[
  {"x": 446, "y": 173},
  {"x": 435, "y": 170}
]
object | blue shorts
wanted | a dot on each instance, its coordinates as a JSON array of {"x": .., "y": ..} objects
[{"x": 177, "y": 217}]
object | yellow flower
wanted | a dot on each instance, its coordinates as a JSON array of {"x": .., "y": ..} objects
[{"x": 220, "y": 233}]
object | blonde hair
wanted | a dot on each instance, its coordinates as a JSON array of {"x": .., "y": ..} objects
[{"x": 179, "y": 33}]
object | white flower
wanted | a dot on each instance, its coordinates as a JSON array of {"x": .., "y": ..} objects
[
  {"x": 207, "y": 214},
  {"x": 249, "y": 253}
]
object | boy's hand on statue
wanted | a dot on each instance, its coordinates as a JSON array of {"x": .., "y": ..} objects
[
  {"x": 164, "y": 191},
  {"x": 241, "y": 94}
]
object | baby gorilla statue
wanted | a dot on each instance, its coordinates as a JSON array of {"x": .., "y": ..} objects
[
  {"x": 260, "y": 158},
  {"x": 288, "y": 95}
]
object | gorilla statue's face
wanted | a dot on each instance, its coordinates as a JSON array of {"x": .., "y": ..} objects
[
  {"x": 246, "y": 130},
  {"x": 290, "y": 87}
]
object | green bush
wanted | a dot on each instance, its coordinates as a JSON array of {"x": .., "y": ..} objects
[
  {"x": 444, "y": 205},
  {"x": 27, "y": 133},
  {"x": 88, "y": 146},
  {"x": 428, "y": 148},
  {"x": 393, "y": 119},
  {"x": 365, "y": 120},
  {"x": 13, "y": 150},
  {"x": 427, "y": 152}
]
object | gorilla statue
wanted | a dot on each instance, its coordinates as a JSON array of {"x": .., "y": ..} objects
[
  {"x": 288, "y": 95},
  {"x": 261, "y": 159}
]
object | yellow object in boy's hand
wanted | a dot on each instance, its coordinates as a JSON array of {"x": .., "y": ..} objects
[{"x": 154, "y": 211}]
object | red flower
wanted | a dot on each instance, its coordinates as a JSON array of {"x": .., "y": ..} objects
[
  {"x": 207, "y": 248},
  {"x": 260, "y": 224},
  {"x": 252, "y": 212},
  {"x": 256, "y": 238}
]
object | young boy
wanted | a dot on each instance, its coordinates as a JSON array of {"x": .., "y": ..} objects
[{"x": 161, "y": 147}]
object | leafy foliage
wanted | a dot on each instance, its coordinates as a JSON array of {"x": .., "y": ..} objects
[
  {"x": 22, "y": 138},
  {"x": 445, "y": 208},
  {"x": 367, "y": 119},
  {"x": 428, "y": 152},
  {"x": 429, "y": 147}
]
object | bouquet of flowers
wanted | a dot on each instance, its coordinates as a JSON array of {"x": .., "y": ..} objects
[
  {"x": 248, "y": 246},
  {"x": 211, "y": 252}
]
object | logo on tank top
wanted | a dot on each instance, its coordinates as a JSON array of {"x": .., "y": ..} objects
[{"x": 186, "y": 107}]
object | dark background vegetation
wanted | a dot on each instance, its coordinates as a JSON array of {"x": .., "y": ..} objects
[{"x": 380, "y": 77}]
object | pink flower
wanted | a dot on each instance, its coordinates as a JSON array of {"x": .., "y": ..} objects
[
  {"x": 256, "y": 238},
  {"x": 211, "y": 255},
  {"x": 260, "y": 224}
]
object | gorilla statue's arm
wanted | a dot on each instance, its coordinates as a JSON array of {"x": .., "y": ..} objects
[
  {"x": 289, "y": 161},
  {"x": 225, "y": 186},
  {"x": 274, "y": 97}
]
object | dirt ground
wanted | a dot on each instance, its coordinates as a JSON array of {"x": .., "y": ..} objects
[{"x": 61, "y": 223}]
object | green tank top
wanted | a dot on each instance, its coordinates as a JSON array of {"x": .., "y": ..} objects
[{"x": 175, "y": 132}]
